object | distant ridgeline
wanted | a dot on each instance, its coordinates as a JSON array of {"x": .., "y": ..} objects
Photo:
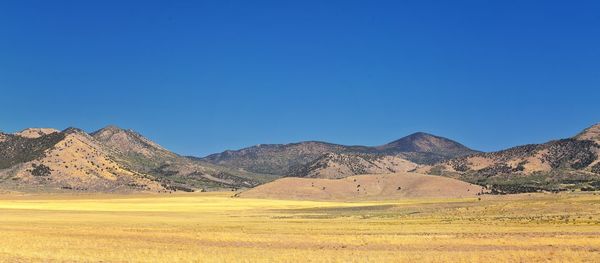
[
  {"x": 560, "y": 165},
  {"x": 117, "y": 160}
]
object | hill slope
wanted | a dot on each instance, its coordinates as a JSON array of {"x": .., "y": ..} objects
[
  {"x": 571, "y": 163},
  {"x": 178, "y": 172},
  {"x": 365, "y": 187},
  {"x": 36, "y": 132},
  {"x": 592, "y": 133},
  {"x": 108, "y": 160},
  {"x": 65, "y": 161},
  {"x": 336, "y": 165},
  {"x": 285, "y": 159}
]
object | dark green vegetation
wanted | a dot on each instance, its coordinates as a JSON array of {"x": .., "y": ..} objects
[
  {"x": 40, "y": 170},
  {"x": 16, "y": 149}
]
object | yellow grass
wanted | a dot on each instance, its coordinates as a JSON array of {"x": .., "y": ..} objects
[{"x": 213, "y": 227}]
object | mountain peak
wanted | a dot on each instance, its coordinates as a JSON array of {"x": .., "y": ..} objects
[
  {"x": 109, "y": 129},
  {"x": 73, "y": 130},
  {"x": 112, "y": 127},
  {"x": 592, "y": 133},
  {"x": 421, "y": 135},
  {"x": 428, "y": 143},
  {"x": 35, "y": 132},
  {"x": 127, "y": 141}
]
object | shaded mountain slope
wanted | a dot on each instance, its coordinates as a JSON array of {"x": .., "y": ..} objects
[
  {"x": 275, "y": 158},
  {"x": 71, "y": 161},
  {"x": 421, "y": 142},
  {"x": 16, "y": 149},
  {"x": 285, "y": 159}
]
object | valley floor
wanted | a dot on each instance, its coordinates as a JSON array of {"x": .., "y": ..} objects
[{"x": 214, "y": 227}]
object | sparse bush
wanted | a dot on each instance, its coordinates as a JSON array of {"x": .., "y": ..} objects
[{"x": 41, "y": 170}]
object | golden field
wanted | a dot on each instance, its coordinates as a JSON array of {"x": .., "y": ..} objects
[{"x": 214, "y": 227}]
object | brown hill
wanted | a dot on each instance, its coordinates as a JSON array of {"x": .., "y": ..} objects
[
  {"x": 571, "y": 163},
  {"x": 111, "y": 160},
  {"x": 69, "y": 160},
  {"x": 335, "y": 165},
  {"x": 427, "y": 143},
  {"x": 274, "y": 158},
  {"x": 285, "y": 159},
  {"x": 592, "y": 133},
  {"x": 130, "y": 142},
  {"x": 177, "y": 172},
  {"x": 36, "y": 132},
  {"x": 365, "y": 187}
]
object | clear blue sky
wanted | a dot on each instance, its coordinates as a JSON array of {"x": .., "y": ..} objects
[{"x": 204, "y": 76}]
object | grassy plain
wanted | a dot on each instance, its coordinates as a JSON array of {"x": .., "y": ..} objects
[{"x": 213, "y": 227}]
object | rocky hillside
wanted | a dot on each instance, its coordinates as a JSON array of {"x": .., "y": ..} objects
[
  {"x": 336, "y": 165},
  {"x": 285, "y": 159},
  {"x": 35, "y": 132},
  {"x": 591, "y": 134},
  {"x": 277, "y": 158},
  {"x": 179, "y": 172},
  {"x": 109, "y": 160},
  {"x": 70, "y": 160},
  {"x": 570, "y": 163}
]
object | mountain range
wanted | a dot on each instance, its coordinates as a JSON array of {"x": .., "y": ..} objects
[
  {"x": 108, "y": 160},
  {"x": 557, "y": 165},
  {"x": 119, "y": 160},
  {"x": 288, "y": 159}
]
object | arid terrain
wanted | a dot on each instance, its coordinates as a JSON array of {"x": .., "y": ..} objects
[
  {"x": 299, "y": 131},
  {"x": 366, "y": 187},
  {"x": 113, "y": 195},
  {"x": 214, "y": 227},
  {"x": 116, "y": 160}
]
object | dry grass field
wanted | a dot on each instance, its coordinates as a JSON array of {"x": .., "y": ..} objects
[{"x": 213, "y": 227}]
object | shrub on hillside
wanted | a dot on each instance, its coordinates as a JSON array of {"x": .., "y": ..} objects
[{"x": 41, "y": 170}]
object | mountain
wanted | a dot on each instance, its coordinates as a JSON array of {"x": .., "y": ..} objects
[
  {"x": 119, "y": 160},
  {"x": 36, "y": 132},
  {"x": 178, "y": 172},
  {"x": 108, "y": 160},
  {"x": 564, "y": 164},
  {"x": 276, "y": 158},
  {"x": 426, "y": 143},
  {"x": 365, "y": 187},
  {"x": 592, "y": 133},
  {"x": 70, "y": 160},
  {"x": 131, "y": 143},
  {"x": 286, "y": 159},
  {"x": 337, "y": 165}
]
